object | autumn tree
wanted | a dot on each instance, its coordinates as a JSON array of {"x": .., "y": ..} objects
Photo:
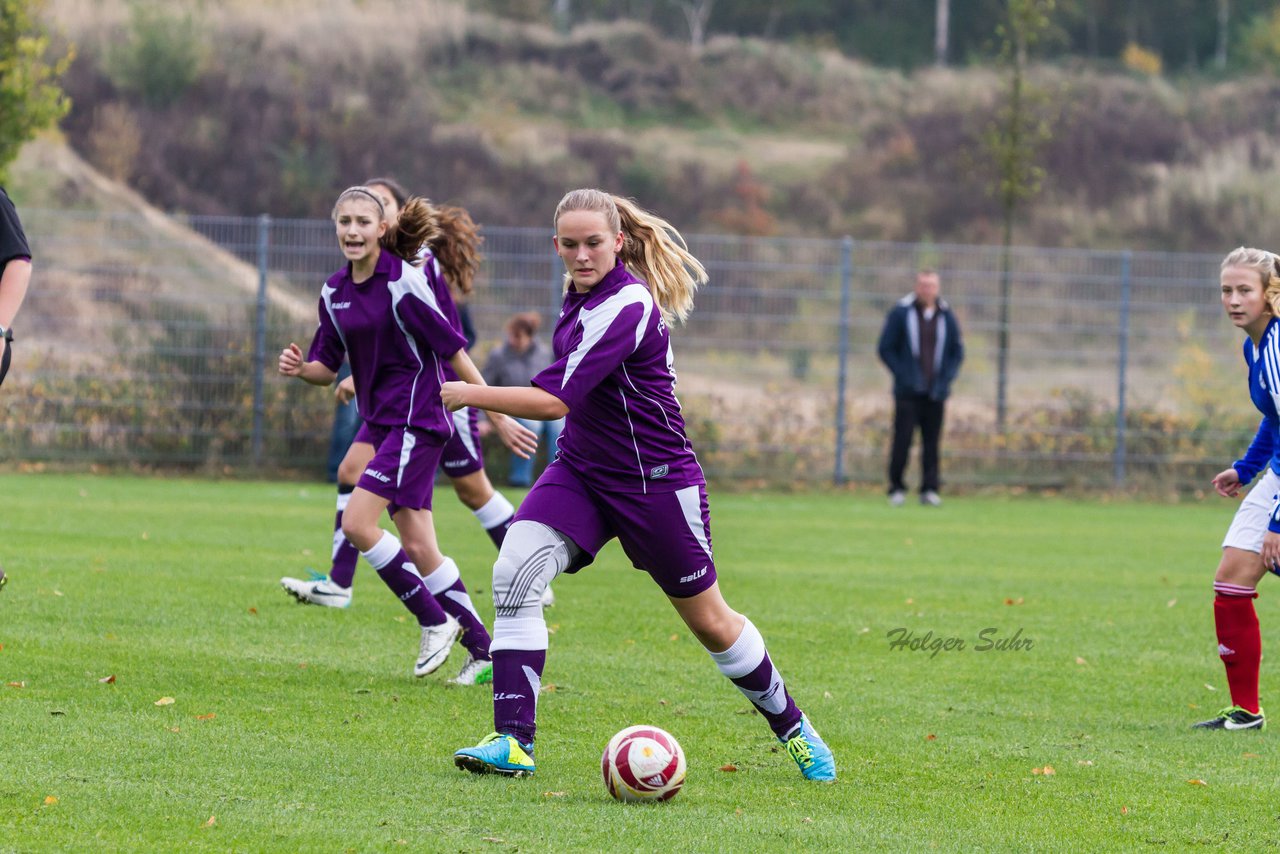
[
  {"x": 1014, "y": 140},
  {"x": 30, "y": 98}
]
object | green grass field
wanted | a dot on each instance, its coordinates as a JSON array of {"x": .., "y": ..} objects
[{"x": 298, "y": 728}]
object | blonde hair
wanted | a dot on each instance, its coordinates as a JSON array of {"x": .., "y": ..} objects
[
  {"x": 651, "y": 248},
  {"x": 1265, "y": 264}
]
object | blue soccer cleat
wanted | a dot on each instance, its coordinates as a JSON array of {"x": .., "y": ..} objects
[
  {"x": 811, "y": 753},
  {"x": 498, "y": 754}
]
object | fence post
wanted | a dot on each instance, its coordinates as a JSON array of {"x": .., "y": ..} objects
[
  {"x": 842, "y": 374},
  {"x": 1126, "y": 258},
  {"x": 260, "y": 338},
  {"x": 557, "y": 288}
]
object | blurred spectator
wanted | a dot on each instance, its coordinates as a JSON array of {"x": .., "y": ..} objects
[
  {"x": 346, "y": 421},
  {"x": 521, "y": 357},
  {"x": 920, "y": 345},
  {"x": 15, "y": 275}
]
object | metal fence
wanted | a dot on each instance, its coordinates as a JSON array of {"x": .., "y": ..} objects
[{"x": 152, "y": 341}]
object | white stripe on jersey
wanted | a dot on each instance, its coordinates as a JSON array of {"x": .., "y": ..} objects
[
  {"x": 661, "y": 409},
  {"x": 462, "y": 426},
  {"x": 1271, "y": 364},
  {"x": 406, "y": 454},
  {"x": 690, "y": 499},
  {"x": 413, "y": 281},
  {"x": 635, "y": 446},
  {"x": 326, "y": 295},
  {"x": 598, "y": 320},
  {"x": 1270, "y": 356}
]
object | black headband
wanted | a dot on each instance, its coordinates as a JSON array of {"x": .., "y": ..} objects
[{"x": 350, "y": 191}]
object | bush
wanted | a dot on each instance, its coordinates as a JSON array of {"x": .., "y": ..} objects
[{"x": 159, "y": 57}]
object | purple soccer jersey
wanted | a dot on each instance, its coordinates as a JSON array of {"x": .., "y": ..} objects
[
  {"x": 398, "y": 335},
  {"x": 463, "y": 454},
  {"x": 613, "y": 369}
]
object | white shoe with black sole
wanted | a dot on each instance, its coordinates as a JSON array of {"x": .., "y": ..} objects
[
  {"x": 435, "y": 646},
  {"x": 321, "y": 591}
]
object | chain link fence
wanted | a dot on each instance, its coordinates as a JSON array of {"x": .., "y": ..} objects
[{"x": 152, "y": 341}]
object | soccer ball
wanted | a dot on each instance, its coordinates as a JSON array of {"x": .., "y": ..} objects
[{"x": 643, "y": 763}]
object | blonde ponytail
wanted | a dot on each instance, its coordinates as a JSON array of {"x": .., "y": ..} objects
[{"x": 652, "y": 249}]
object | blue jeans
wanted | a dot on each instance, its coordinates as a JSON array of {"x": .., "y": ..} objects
[
  {"x": 520, "y": 472},
  {"x": 346, "y": 421}
]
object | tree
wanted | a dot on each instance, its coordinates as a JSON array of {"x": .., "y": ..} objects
[
  {"x": 562, "y": 14},
  {"x": 941, "y": 31},
  {"x": 696, "y": 14},
  {"x": 30, "y": 98},
  {"x": 1014, "y": 140},
  {"x": 1224, "y": 24}
]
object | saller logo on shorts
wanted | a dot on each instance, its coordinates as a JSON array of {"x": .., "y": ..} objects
[
  {"x": 658, "y": 471},
  {"x": 694, "y": 577},
  {"x": 379, "y": 475}
]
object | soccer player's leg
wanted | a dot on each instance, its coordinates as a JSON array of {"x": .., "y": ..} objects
[
  {"x": 1239, "y": 639},
  {"x": 334, "y": 589},
  {"x": 399, "y": 479},
  {"x": 1235, "y": 586},
  {"x": 446, "y": 585},
  {"x": 532, "y": 555},
  {"x": 463, "y": 462},
  {"x": 681, "y": 562}
]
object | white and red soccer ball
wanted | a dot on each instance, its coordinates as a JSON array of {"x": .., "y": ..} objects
[{"x": 643, "y": 763}]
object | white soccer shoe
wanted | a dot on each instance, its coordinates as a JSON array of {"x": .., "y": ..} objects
[
  {"x": 476, "y": 671},
  {"x": 320, "y": 591},
  {"x": 436, "y": 643}
]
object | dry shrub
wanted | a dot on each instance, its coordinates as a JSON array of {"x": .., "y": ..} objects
[
  {"x": 114, "y": 141},
  {"x": 1134, "y": 160}
]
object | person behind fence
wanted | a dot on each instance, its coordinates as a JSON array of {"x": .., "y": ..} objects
[
  {"x": 455, "y": 247},
  {"x": 921, "y": 346},
  {"x": 625, "y": 469},
  {"x": 346, "y": 424},
  {"x": 1250, "y": 287},
  {"x": 383, "y": 310},
  {"x": 514, "y": 363},
  {"x": 15, "y": 276}
]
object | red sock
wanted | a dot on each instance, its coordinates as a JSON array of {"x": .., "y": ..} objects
[{"x": 1239, "y": 645}]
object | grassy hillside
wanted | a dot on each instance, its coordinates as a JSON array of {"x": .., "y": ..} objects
[{"x": 272, "y": 106}]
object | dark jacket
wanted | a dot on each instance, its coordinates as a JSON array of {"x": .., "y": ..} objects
[{"x": 899, "y": 349}]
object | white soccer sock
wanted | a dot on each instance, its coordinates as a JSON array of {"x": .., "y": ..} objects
[
  {"x": 383, "y": 552},
  {"x": 744, "y": 655},
  {"x": 769, "y": 694},
  {"x": 494, "y": 512},
  {"x": 442, "y": 577},
  {"x": 528, "y": 633}
]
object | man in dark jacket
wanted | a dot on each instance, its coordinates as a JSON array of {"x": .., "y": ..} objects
[{"x": 921, "y": 346}]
